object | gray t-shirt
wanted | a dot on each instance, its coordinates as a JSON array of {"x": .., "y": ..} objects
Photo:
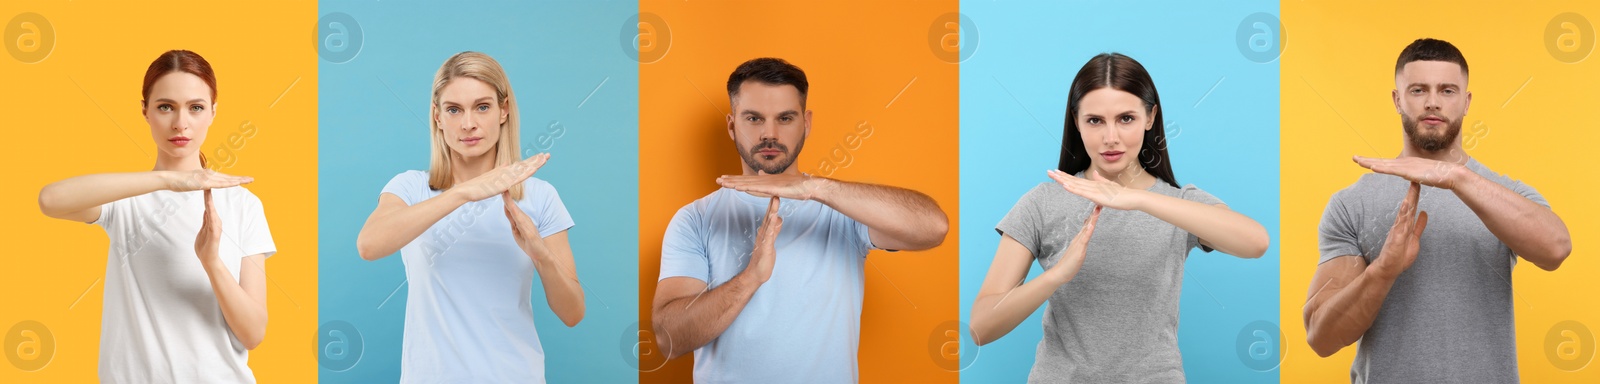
[
  {"x": 1448, "y": 318},
  {"x": 1117, "y": 320}
]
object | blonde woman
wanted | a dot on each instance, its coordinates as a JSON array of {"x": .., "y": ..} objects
[
  {"x": 473, "y": 230},
  {"x": 175, "y": 310}
]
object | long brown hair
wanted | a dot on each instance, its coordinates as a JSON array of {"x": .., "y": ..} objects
[
  {"x": 1119, "y": 72},
  {"x": 179, "y": 60}
]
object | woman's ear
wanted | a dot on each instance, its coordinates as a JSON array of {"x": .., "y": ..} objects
[{"x": 1155, "y": 110}]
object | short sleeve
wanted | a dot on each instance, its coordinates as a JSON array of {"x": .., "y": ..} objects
[
  {"x": 405, "y": 185},
  {"x": 863, "y": 234},
  {"x": 548, "y": 212},
  {"x": 1024, "y": 221},
  {"x": 1192, "y": 193},
  {"x": 256, "y": 236},
  {"x": 1337, "y": 234},
  {"x": 683, "y": 249},
  {"x": 1527, "y": 192}
]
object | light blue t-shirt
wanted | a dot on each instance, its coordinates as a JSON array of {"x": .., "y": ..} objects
[
  {"x": 804, "y": 324},
  {"x": 469, "y": 315}
]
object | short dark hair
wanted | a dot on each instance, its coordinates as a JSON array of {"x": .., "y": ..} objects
[
  {"x": 1427, "y": 49},
  {"x": 769, "y": 71}
]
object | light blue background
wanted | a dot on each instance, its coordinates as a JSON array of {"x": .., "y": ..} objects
[
  {"x": 1013, "y": 102},
  {"x": 373, "y": 125}
]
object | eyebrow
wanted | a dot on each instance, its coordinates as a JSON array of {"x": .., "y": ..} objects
[
  {"x": 1441, "y": 85},
  {"x": 166, "y": 100},
  {"x": 484, "y": 99},
  {"x": 1127, "y": 112}
]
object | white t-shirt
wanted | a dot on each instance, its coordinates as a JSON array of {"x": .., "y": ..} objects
[
  {"x": 469, "y": 296},
  {"x": 161, "y": 322}
]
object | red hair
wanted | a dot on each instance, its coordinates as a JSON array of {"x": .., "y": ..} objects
[{"x": 180, "y": 60}]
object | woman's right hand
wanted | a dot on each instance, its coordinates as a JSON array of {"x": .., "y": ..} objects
[
  {"x": 202, "y": 179},
  {"x": 501, "y": 178},
  {"x": 1072, "y": 259}
]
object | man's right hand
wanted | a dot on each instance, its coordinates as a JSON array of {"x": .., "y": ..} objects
[
  {"x": 765, "y": 253},
  {"x": 1400, "y": 249}
]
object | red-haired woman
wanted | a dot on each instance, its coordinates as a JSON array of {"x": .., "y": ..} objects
[{"x": 185, "y": 286}]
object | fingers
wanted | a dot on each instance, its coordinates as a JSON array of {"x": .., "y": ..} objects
[
  {"x": 1422, "y": 224},
  {"x": 1364, "y": 162},
  {"x": 223, "y": 180},
  {"x": 773, "y": 222}
]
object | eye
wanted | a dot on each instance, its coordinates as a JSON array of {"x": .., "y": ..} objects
[
  {"x": 483, "y": 107},
  {"x": 452, "y": 110},
  {"x": 1093, "y": 121},
  {"x": 1450, "y": 91},
  {"x": 1416, "y": 91},
  {"x": 786, "y": 119},
  {"x": 197, "y": 108},
  {"x": 164, "y": 108},
  {"x": 752, "y": 119},
  {"x": 1125, "y": 119}
]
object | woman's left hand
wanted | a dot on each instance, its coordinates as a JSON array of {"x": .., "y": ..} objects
[
  {"x": 524, "y": 230},
  {"x": 205, "y": 243},
  {"x": 1097, "y": 189}
]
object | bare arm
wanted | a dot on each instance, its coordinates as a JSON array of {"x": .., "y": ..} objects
[
  {"x": 686, "y": 316},
  {"x": 1217, "y": 226},
  {"x": 244, "y": 303},
  {"x": 79, "y": 198},
  {"x": 552, "y": 258},
  {"x": 1529, "y": 229},
  {"x": 896, "y": 218},
  {"x": 393, "y": 224},
  {"x": 1346, "y": 293},
  {"x": 1002, "y": 305}
]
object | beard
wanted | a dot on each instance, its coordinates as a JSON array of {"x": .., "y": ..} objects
[
  {"x": 1430, "y": 142},
  {"x": 779, "y": 164}
]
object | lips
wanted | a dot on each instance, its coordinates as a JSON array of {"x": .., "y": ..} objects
[
  {"x": 471, "y": 140},
  {"x": 179, "y": 141},
  {"x": 1111, "y": 156},
  {"x": 1431, "y": 119}
]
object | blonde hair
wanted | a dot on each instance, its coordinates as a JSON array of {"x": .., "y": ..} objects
[{"x": 473, "y": 65}]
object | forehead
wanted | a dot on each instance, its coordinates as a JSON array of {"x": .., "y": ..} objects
[
  {"x": 465, "y": 90},
  {"x": 1430, "y": 72},
  {"x": 756, "y": 95},
  {"x": 180, "y": 86},
  {"x": 1109, "y": 101}
]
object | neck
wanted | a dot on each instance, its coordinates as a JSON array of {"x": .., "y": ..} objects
[
  {"x": 1451, "y": 154},
  {"x": 465, "y": 168},
  {"x": 1134, "y": 177},
  {"x": 178, "y": 163}
]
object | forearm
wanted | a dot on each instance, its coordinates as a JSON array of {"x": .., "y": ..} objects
[
  {"x": 384, "y": 235},
  {"x": 561, "y": 288},
  {"x": 905, "y": 215},
  {"x": 687, "y": 323},
  {"x": 996, "y": 314},
  {"x": 246, "y": 316},
  {"x": 1529, "y": 229},
  {"x": 1338, "y": 316},
  {"x": 1226, "y": 230},
  {"x": 89, "y": 191}
]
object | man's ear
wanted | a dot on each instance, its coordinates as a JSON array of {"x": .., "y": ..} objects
[
  {"x": 808, "y": 122},
  {"x": 729, "y": 118},
  {"x": 1395, "y": 95}
]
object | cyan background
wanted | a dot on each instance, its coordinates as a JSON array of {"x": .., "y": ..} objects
[
  {"x": 1222, "y": 122},
  {"x": 568, "y": 67}
]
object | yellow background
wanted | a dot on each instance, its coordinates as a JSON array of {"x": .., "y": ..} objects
[
  {"x": 77, "y": 112},
  {"x": 1337, "y": 72}
]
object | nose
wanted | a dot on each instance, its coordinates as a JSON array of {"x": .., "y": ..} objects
[
  {"x": 1431, "y": 103},
  {"x": 768, "y": 130},
  {"x": 180, "y": 122},
  {"x": 467, "y": 123}
]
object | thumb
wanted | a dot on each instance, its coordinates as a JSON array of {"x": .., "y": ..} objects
[
  {"x": 210, "y": 206},
  {"x": 1422, "y": 224}
]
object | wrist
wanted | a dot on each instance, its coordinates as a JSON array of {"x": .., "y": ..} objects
[
  {"x": 819, "y": 188},
  {"x": 167, "y": 179},
  {"x": 1461, "y": 176}
]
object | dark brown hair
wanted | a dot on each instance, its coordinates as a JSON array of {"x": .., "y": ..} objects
[{"x": 1122, "y": 73}]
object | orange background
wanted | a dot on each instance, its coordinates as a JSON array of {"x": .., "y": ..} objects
[
  {"x": 867, "y": 63},
  {"x": 79, "y": 112}
]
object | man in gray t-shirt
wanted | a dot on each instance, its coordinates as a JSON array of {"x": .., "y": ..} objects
[{"x": 1416, "y": 260}]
